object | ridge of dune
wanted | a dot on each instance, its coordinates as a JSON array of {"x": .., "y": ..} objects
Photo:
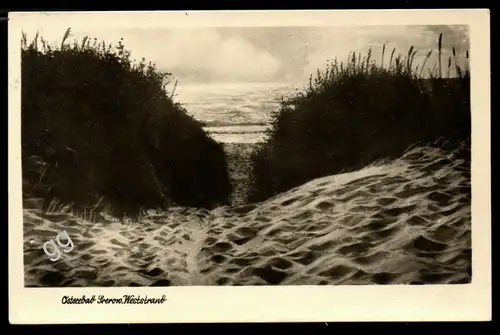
[{"x": 407, "y": 221}]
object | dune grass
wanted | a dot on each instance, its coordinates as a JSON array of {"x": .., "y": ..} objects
[
  {"x": 99, "y": 129},
  {"x": 357, "y": 112}
]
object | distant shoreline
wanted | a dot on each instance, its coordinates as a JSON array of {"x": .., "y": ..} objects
[{"x": 250, "y": 138}]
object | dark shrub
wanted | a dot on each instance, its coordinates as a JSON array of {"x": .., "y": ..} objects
[
  {"x": 357, "y": 113},
  {"x": 97, "y": 125}
]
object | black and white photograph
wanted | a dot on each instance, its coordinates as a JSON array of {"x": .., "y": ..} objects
[{"x": 306, "y": 155}]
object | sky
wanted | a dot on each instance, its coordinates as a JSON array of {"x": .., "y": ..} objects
[{"x": 274, "y": 54}]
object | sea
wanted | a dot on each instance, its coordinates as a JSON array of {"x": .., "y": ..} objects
[{"x": 234, "y": 112}]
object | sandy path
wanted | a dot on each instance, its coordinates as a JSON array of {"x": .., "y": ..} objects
[{"x": 405, "y": 222}]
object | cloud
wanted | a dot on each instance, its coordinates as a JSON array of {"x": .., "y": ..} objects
[
  {"x": 208, "y": 54},
  {"x": 188, "y": 53}
]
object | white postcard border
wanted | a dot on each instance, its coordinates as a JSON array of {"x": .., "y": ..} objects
[{"x": 281, "y": 303}]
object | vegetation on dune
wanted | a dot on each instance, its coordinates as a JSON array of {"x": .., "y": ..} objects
[
  {"x": 99, "y": 128},
  {"x": 358, "y": 112}
]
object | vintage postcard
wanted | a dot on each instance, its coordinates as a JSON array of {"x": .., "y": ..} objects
[{"x": 240, "y": 166}]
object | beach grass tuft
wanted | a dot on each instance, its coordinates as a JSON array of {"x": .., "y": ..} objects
[
  {"x": 100, "y": 128},
  {"x": 357, "y": 112}
]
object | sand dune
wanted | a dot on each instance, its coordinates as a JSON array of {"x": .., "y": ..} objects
[{"x": 404, "y": 222}]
